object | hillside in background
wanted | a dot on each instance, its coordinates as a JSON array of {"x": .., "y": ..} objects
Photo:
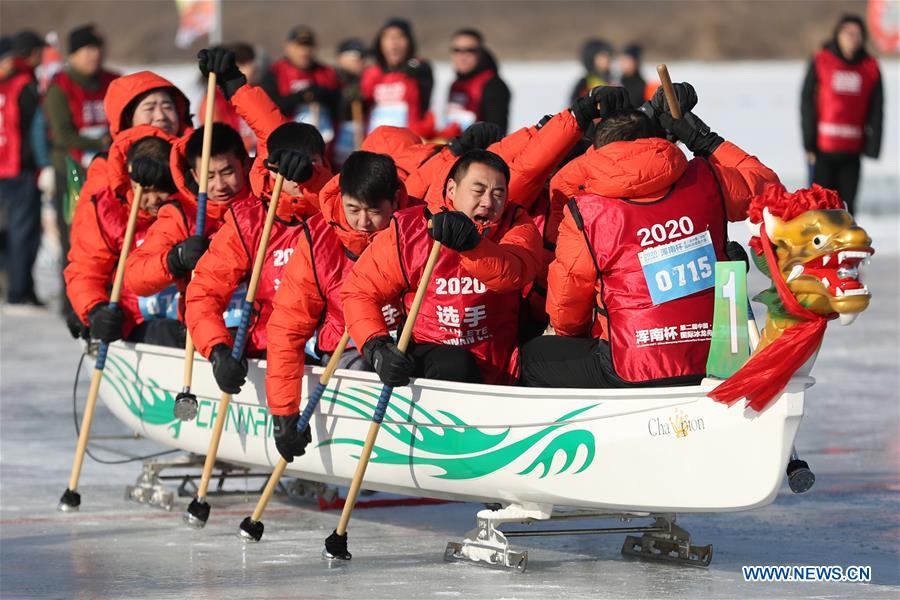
[{"x": 143, "y": 31}]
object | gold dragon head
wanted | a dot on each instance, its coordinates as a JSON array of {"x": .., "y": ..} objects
[{"x": 818, "y": 251}]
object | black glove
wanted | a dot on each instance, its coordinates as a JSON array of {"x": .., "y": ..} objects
[
  {"x": 230, "y": 374},
  {"x": 479, "y": 135},
  {"x": 76, "y": 328},
  {"x": 183, "y": 257},
  {"x": 295, "y": 165},
  {"x": 695, "y": 134},
  {"x": 454, "y": 230},
  {"x": 684, "y": 92},
  {"x": 149, "y": 172},
  {"x": 106, "y": 323},
  {"x": 221, "y": 62},
  {"x": 393, "y": 367},
  {"x": 601, "y": 102},
  {"x": 288, "y": 440}
]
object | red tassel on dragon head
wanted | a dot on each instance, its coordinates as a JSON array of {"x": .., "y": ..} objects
[{"x": 811, "y": 248}]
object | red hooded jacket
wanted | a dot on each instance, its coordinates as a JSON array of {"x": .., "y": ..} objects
[
  {"x": 306, "y": 297},
  {"x": 98, "y": 231}
]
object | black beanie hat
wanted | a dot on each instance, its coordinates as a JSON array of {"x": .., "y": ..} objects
[{"x": 83, "y": 36}]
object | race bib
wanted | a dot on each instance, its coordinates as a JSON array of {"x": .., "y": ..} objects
[
  {"x": 345, "y": 143},
  {"x": 459, "y": 115},
  {"x": 395, "y": 114},
  {"x": 162, "y": 305},
  {"x": 95, "y": 132},
  {"x": 679, "y": 268},
  {"x": 320, "y": 119}
]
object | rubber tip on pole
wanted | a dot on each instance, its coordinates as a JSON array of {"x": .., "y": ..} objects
[
  {"x": 185, "y": 408},
  {"x": 69, "y": 502},
  {"x": 197, "y": 514},
  {"x": 336, "y": 547},
  {"x": 251, "y": 531}
]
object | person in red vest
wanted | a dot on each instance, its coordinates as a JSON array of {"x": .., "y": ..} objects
[
  {"x": 19, "y": 197},
  {"x": 467, "y": 328},
  {"x": 842, "y": 110},
  {"x": 356, "y": 205},
  {"x": 158, "y": 270},
  {"x": 139, "y": 155},
  {"x": 630, "y": 292},
  {"x": 75, "y": 113},
  {"x": 294, "y": 150},
  {"x": 397, "y": 88},
  {"x": 304, "y": 89},
  {"x": 478, "y": 93}
]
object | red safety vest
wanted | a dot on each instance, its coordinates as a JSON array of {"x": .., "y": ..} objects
[
  {"x": 458, "y": 309},
  {"x": 112, "y": 220},
  {"x": 394, "y": 98},
  {"x": 10, "y": 127},
  {"x": 331, "y": 266},
  {"x": 842, "y": 101},
  {"x": 464, "y": 102},
  {"x": 290, "y": 79},
  {"x": 669, "y": 339},
  {"x": 250, "y": 218},
  {"x": 86, "y": 107}
]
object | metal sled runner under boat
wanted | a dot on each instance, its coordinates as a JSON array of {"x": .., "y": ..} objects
[{"x": 649, "y": 452}]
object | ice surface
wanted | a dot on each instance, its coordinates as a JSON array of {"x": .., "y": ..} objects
[{"x": 114, "y": 549}]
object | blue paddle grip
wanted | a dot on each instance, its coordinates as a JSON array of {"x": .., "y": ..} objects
[
  {"x": 240, "y": 338},
  {"x": 201, "y": 214},
  {"x": 310, "y": 406},
  {"x": 382, "y": 405}
]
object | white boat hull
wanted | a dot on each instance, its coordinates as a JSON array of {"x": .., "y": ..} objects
[{"x": 660, "y": 450}]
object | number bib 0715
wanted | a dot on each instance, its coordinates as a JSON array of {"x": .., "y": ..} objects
[{"x": 679, "y": 268}]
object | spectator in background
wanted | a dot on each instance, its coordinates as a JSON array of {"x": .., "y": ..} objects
[
  {"x": 351, "y": 60},
  {"x": 397, "y": 88},
  {"x": 19, "y": 196},
  {"x": 841, "y": 109},
  {"x": 596, "y": 56},
  {"x": 632, "y": 80},
  {"x": 478, "y": 94},
  {"x": 304, "y": 89},
  {"x": 29, "y": 49},
  {"x": 74, "y": 109},
  {"x": 223, "y": 111}
]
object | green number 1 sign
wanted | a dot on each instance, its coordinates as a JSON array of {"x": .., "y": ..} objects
[{"x": 730, "y": 346}]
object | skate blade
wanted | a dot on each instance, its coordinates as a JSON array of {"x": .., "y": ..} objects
[
  {"x": 518, "y": 561},
  {"x": 667, "y": 551}
]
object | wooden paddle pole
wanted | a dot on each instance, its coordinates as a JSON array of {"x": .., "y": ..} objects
[
  {"x": 336, "y": 543},
  {"x": 251, "y": 528},
  {"x": 185, "y": 408},
  {"x": 356, "y": 111},
  {"x": 669, "y": 90},
  {"x": 71, "y": 499},
  {"x": 197, "y": 512}
]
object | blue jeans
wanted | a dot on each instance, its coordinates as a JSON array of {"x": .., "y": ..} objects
[{"x": 20, "y": 198}]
